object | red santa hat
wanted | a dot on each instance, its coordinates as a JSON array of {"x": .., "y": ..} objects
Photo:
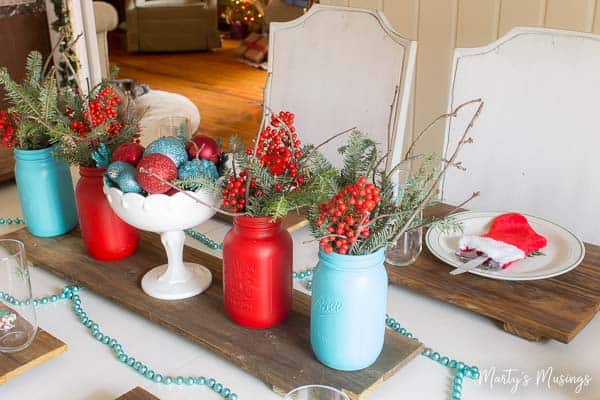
[{"x": 509, "y": 239}]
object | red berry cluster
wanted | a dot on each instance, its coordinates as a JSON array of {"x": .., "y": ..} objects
[
  {"x": 102, "y": 110},
  {"x": 347, "y": 216},
  {"x": 7, "y": 130},
  {"x": 234, "y": 194},
  {"x": 279, "y": 148}
]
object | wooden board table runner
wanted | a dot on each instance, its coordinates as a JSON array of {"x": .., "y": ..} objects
[
  {"x": 138, "y": 394},
  {"x": 556, "y": 308},
  {"x": 44, "y": 347},
  {"x": 281, "y": 356}
]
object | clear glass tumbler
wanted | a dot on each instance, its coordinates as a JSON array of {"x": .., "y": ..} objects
[
  {"x": 176, "y": 125},
  {"x": 409, "y": 245},
  {"x": 18, "y": 322},
  {"x": 406, "y": 249},
  {"x": 315, "y": 392}
]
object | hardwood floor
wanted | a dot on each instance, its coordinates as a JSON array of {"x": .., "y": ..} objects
[{"x": 227, "y": 92}]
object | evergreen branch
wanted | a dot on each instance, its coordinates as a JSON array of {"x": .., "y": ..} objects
[
  {"x": 462, "y": 141},
  {"x": 33, "y": 68}
]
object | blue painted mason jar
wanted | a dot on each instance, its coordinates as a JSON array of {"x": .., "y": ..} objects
[
  {"x": 46, "y": 192},
  {"x": 348, "y": 306}
]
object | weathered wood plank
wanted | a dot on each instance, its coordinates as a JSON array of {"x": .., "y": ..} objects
[
  {"x": 43, "y": 348},
  {"x": 556, "y": 308},
  {"x": 138, "y": 394},
  {"x": 281, "y": 356}
]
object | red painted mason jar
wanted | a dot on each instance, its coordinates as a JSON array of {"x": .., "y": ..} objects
[
  {"x": 106, "y": 236},
  {"x": 257, "y": 272}
]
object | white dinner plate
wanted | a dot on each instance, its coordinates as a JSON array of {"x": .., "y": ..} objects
[{"x": 563, "y": 252}]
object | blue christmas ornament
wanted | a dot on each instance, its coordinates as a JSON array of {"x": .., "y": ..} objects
[
  {"x": 170, "y": 147},
  {"x": 101, "y": 156},
  {"x": 123, "y": 175},
  {"x": 196, "y": 167}
]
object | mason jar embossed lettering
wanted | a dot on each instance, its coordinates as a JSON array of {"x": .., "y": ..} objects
[
  {"x": 257, "y": 272},
  {"x": 347, "y": 319}
]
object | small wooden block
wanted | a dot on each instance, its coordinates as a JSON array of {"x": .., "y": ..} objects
[
  {"x": 43, "y": 348},
  {"x": 138, "y": 394},
  {"x": 281, "y": 356}
]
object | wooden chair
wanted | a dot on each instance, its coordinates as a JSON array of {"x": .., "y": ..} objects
[
  {"x": 537, "y": 140},
  {"x": 339, "y": 67}
]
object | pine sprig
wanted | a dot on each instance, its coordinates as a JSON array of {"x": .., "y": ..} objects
[
  {"x": 201, "y": 181},
  {"x": 360, "y": 155},
  {"x": 399, "y": 205},
  {"x": 34, "y": 104}
]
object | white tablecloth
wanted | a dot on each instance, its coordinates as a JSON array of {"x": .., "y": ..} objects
[{"x": 89, "y": 371}]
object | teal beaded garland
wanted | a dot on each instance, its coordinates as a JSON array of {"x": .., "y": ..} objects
[
  {"x": 10, "y": 221},
  {"x": 205, "y": 240},
  {"x": 462, "y": 370},
  {"x": 72, "y": 293}
]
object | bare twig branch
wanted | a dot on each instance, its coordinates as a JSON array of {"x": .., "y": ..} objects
[
  {"x": 452, "y": 113},
  {"x": 61, "y": 37},
  {"x": 378, "y": 163},
  {"x": 391, "y": 119},
  {"x": 458, "y": 165},
  {"x": 463, "y": 140},
  {"x": 333, "y": 137},
  {"x": 461, "y": 205}
]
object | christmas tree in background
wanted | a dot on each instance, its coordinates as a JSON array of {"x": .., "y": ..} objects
[{"x": 248, "y": 13}]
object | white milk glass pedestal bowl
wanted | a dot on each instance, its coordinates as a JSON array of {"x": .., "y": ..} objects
[{"x": 169, "y": 216}]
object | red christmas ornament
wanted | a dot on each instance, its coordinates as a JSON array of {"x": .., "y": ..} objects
[
  {"x": 155, "y": 164},
  {"x": 130, "y": 153},
  {"x": 205, "y": 147}
]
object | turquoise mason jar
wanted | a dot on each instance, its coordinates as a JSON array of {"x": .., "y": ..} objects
[
  {"x": 46, "y": 192},
  {"x": 348, "y": 306}
]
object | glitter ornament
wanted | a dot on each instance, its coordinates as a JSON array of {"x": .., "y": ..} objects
[
  {"x": 203, "y": 147},
  {"x": 130, "y": 153},
  {"x": 160, "y": 165},
  {"x": 115, "y": 169},
  {"x": 194, "y": 168},
  {"x": 128, "y": 183},
  {"x": 170, "y": 147},
  {"x": 123, "y": 175}
]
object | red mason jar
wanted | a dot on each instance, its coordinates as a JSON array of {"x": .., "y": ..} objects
[
  {"x": 257, "y": 272},
  {"x": 105, "y": 236}
]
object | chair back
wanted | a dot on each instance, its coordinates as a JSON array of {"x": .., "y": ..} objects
[
  {"x": 536, "y": 142},
  {"x": 339, "y": 67}
]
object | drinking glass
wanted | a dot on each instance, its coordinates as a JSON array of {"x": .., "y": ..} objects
[
  {"x": 175, "y": 125},
  {"x": 407, "y": 248},
  {"x": 409, "y": 245},
  {"x": 18, "y": 322},
  {"x": 315, "y": 392}
]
